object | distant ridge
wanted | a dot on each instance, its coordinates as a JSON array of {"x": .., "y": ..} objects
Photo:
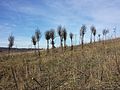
[{"x": 4, "y": 49}]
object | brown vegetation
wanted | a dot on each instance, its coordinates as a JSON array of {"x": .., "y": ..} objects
[{"x": 95, "y": 68}]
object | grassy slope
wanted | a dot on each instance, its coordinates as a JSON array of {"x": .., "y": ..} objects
[{"x": 94, "y": 67}]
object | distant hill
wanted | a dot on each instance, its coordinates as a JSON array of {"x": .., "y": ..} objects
[{"x": 5, "y": 49}]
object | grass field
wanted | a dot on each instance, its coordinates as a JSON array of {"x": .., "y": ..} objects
[{"x": 95, "y": 67}]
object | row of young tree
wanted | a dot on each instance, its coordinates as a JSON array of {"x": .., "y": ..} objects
[{"x": 62, "y": 32}]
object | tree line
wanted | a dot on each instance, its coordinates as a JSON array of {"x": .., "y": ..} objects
[{"x": 62, "y": 32}]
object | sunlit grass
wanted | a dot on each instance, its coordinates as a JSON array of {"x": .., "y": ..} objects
[{"x": 93, "y": 67}]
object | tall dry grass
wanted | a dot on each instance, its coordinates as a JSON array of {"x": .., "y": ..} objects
[{"x": 95, "y": 67}]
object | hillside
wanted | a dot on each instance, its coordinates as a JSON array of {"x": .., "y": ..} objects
[{"x": 95, "y": 67}]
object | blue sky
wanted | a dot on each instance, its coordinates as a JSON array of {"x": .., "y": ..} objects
[{"x": 22, "y": 17}]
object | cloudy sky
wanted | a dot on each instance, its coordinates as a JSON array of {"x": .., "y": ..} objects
[{"x": 21, "y": 17}]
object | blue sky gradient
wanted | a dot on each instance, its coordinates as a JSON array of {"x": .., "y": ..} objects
[{"x": 22, "y": 17}]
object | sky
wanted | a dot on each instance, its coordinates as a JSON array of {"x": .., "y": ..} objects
[{"x": 22, "y": 17}]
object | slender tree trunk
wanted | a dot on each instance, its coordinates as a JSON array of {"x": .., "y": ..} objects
[
  {"x": 105, "y": 37},
  {"x": 61, "y": 43},
  {"x": 53, "y": 44},
  {"x": 65, "y": 44},
  {"x": 38, "y": 46},
  {"x": 94, "y": 39},
  {"x": 35, "y": 48},
  {"x": 82, "y": 41},
  {"x": 99, "y": 39},
  {"x": 71, "y": 45},
  {"x": 47, "y": 45},
  {"x": 9, "y": 50},
  {"x": 91, "y": 38},
  {"x": 38, "y": 49}
]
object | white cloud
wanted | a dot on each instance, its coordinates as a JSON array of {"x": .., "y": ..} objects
[{"x": 71, "y": 10}]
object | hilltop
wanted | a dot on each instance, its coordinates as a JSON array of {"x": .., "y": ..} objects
[{"x": 95, "y": 67}]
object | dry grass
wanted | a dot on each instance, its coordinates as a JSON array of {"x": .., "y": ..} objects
[{"x": 96, "y": 67}]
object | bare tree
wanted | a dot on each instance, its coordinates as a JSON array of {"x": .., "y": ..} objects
[
  {"x": 91, "y": 28},
  {"x": 93, "y": 31},
  {"x": 114, "y": 31},
  {"x": 60, "y": 33},
  {"x": 11, "y": 42},
  {"x": 71, "y": 37},
  {"x": 34, "y": 42},
  {"x": 52, "y": 36},
  {"x": 82, "y": 33},
  {"x": 47, "y": 37},
  {"x": 38, "y": 36},
  {"x": 99, "y": 37},
  {"x": 64, "y": 36},
  {"x": 105, "y": 32}
]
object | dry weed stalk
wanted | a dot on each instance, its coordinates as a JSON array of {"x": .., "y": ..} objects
[{"x": 14, "y": 77}]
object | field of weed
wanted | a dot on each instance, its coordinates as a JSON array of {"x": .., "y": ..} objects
[{"x": 95, "y": 67}]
